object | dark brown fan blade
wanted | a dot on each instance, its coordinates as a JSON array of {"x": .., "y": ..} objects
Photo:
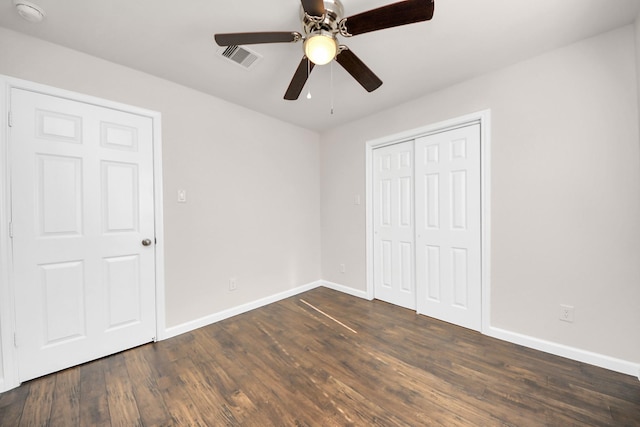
[
  {"x": 299, "y": 79},
  {"x": 392, "y": 15},
  {"x": 358, "y": 70},
  {"x": 313, "y": 7},
  {"x": 230, "y": 39}
]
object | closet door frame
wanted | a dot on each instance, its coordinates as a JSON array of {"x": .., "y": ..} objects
[{"x": 484, "y": 119}]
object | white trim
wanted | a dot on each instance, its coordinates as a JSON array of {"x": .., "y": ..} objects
[
  {"x": 161, "y": 315},
  {"x": 482, "y": 117},
  {"x": 346, "y": 290},
  {"x": 7, "y": 319},
  {"x": 369, "y": 272},
  {"x": 596, "y": 359},
  {"x": 234, "y": 311},
  {"x": 485, "y": 225},
  {"x": 467, "y": 119},
  {"x": 8, "y": 371}
]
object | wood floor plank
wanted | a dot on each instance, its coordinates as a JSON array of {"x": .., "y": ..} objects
[
  {"x": 123, "y": 408},
  {"x": 169, "y": 363},
  {"x": 94, "y": 407},
  {"x": 37, "y": 407},
  {"x": 230, "y": 400},
  {"x": 66, "y": 398},
  {"x": 324, "y": 358},
  {"x": 283, "y": 386},
  {"x": 12, "y": 405},
  {"x": 220, "y": 345},
  {"x": 150, "y": 403}
]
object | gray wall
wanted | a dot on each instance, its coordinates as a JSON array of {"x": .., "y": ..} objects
[{"x": 565, "y": 193}]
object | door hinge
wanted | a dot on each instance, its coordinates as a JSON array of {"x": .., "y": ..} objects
[
  {"x": 10, "y": 119},
  {"x": 15, "y": 340},
  {"x": 11, "y": 230}
]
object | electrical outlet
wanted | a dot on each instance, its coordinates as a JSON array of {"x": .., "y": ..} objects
[
  {"x": 566, "y": 313},
  {"x": 233, "y": 285},
  {"x": 343, "y": 268}
]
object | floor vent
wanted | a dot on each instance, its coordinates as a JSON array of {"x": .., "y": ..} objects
[{"x": 240, "y": 55}]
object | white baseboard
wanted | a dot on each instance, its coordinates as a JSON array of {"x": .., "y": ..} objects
[
  {"x": 596, "y": 359},
  {"x": 345, "y": 289},
  {"x": 225, "y": 314}
]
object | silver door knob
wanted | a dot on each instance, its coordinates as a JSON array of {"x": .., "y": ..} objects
[{"x": 146, "y": 242}]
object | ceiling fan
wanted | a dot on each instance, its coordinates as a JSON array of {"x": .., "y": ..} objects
[{"x": 322, "y": 21}]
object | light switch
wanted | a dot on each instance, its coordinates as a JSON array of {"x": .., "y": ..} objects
[
  {"x": 182, "y": 196},
  {"x": 356, "y": 199}
]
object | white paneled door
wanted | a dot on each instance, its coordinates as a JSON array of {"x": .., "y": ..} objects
[
  {"x": 83, "y": 231},
  {"x": 448, "y": 233},
  {"x": 393, "y": 224}
]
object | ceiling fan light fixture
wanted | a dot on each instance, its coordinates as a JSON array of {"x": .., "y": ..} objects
[
  {"x": 322, "y": 21},
  {"x": 321, "y": 48}
]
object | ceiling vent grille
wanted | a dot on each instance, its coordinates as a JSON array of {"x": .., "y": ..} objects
[{"x": 240, "y": 55}]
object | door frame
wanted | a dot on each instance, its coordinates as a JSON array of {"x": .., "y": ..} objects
[
  {"x": 484, "y": 119},
  {"x": 8, "y": 355}
]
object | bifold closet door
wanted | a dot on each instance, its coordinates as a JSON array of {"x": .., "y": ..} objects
[
  {"x": 393, "y": 224},
  {"x": 448, "y": 233}
]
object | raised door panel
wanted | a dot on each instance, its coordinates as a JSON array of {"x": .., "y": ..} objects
[
  {"x": 431, "y": 268},
  {"x": 118, "y": 137},
  {"x": 459, "y": 197},
  {"x": 64, "y": 302},
  {"x": 386, "y": 262},
  {"x": 122, "y": 284},
  {"x": 459, "y": 277},
  {"x": 120, "y": 200},
  {"x": 57, "y": 126},
  {"x": 59, "y": 210}
]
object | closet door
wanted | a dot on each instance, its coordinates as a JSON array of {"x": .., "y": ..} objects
[
  {"x": 448, "y": 233},
  {"x": 393, "y": 225}
]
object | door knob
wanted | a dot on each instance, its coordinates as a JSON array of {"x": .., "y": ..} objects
[{"x": 146, "y": 242}]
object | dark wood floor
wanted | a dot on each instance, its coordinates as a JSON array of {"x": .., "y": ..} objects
[{"x": 354, "y": 362}]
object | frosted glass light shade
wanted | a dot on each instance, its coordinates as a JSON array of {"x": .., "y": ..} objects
[{"x": 320, "y": 48}]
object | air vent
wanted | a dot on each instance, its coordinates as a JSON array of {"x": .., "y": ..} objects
[{"x": 240, "y": 55}]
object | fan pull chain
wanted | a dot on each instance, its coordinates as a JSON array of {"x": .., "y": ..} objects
[
  {"x": 331, "y": 83},
  {"x": 308, "y": 73}
]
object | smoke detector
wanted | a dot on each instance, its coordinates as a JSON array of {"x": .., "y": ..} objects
[{"x": 29, "y": 11}]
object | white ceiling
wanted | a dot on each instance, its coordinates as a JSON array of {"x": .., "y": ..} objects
[{"x": 174, "y": 40}]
